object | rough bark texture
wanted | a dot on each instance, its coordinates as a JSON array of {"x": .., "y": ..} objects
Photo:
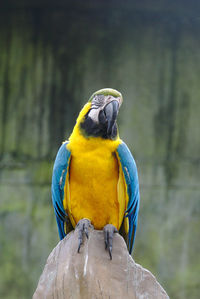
[{"x": 91, "y": 274}]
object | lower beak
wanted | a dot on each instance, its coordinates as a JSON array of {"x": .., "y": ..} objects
[{"x": 111, "y": 111}]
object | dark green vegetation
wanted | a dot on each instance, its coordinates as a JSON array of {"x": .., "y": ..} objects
[{"x": 52, "y": 58}]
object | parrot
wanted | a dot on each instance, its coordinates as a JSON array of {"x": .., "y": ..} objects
[{"x": 95, "y": 179}]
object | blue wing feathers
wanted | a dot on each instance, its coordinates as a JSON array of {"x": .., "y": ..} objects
[
  {"x": 131, "y": 177},
  {"x": 58, "y": 181}
]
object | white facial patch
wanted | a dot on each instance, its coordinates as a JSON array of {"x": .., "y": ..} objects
[{"x": 94, "y": 114}]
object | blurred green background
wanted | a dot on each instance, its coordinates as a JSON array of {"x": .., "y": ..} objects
[{"x": 53, "y": 56}]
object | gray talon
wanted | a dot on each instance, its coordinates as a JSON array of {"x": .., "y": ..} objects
[
  {"x": 109, "y": 231},
  {"x": 82, "y": 227},
  {"x": 110, "y": 252}
]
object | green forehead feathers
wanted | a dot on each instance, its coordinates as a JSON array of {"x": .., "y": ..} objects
[{"x": 107, "y": 92}]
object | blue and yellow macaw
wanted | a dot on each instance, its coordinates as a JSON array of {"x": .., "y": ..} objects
[{"x": 95, "y": 180}]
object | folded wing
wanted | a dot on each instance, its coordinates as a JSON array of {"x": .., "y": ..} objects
[
  {"x": 60, "y": 170},
  {"x": 132, "y": 186}
]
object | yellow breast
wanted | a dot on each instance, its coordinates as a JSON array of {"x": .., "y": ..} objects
[{"x": 92, "y": 188}]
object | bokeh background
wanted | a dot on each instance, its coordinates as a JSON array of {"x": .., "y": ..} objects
[{"x": 53, "y": 56}]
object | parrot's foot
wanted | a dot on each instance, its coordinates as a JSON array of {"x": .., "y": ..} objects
[
  {"x": 83, "y": 225},
  {"x": 109, "y": 231}
]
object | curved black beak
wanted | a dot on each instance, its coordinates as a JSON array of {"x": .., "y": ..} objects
[{"x": 111, "y": 111}]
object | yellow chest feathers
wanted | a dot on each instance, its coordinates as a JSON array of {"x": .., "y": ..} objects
[{"x": 94, "y": 183}]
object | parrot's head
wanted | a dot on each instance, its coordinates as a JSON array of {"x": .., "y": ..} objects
[{"x": 100, "y": 119}]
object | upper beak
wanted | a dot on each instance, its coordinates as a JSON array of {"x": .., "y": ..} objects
[{"x": 111, "y": 111}]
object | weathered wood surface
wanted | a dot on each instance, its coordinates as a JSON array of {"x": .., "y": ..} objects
[{"x": 91, "y": 274}]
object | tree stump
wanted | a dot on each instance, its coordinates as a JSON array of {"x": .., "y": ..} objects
[{"x": 91, "y": 274}]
